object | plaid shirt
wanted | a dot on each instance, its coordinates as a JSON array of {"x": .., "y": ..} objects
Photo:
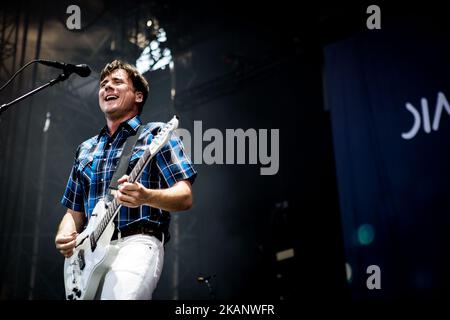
[{"x": 97, "y": 158}]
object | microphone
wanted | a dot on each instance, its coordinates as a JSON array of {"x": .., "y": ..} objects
[{"x": 82, "y": 70}]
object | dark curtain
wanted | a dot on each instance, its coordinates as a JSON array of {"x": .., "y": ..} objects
[{"x": 393, "y": 179}]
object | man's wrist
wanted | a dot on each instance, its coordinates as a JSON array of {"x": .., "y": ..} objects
[
  {"x": 65, "y": 231},
  {"x": 149, "y": 196}
]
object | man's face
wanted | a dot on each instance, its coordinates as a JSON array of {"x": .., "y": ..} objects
[{"x": 117, "y": 97}]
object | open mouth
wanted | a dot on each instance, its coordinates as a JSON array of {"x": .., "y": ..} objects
[{"x": 111, "y": 97}]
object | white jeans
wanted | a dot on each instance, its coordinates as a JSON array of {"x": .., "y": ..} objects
[{"x": 135, "y": 272}]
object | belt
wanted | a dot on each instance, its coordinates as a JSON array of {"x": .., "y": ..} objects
[{"x": 137, "y": 230}]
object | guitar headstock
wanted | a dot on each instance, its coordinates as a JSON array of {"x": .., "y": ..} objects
[{"x": 163, "y": 135}]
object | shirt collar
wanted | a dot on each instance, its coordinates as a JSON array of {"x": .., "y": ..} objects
[{"x": 132, "y": 123}]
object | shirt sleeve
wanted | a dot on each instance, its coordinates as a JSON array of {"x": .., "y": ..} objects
[
  {"x": 73, "y": 196},
  {"x": 173, "y": 162}
]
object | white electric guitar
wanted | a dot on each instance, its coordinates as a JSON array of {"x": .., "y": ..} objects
[{"x": 93, "y": 253}]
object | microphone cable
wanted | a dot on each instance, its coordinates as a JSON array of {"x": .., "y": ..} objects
[{"x": 17, "y": 72}]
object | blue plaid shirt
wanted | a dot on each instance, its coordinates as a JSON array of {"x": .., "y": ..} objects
[{"x": 97, "y": 158}]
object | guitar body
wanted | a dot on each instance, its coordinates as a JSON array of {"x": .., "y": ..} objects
[{"x": 84, "y": 270}]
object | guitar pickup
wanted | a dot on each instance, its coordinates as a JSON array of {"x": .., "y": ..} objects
[{"x": 81, "y": 261}]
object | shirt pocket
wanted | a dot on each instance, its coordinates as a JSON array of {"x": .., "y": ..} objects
[{"x": 85, "y": 169}]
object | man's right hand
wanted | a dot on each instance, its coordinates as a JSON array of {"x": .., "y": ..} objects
[
  {"x": 65, "y": 243},
  {"x": 65, "y": 239}
]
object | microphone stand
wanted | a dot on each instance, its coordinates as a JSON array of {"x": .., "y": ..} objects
[
  {"x": 63, "y": 76},
  {"x": 208, "y": 284},
  {"x": 210, "y": 290}
]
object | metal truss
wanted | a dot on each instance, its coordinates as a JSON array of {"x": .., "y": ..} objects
[{"x": 9, "y": 35}]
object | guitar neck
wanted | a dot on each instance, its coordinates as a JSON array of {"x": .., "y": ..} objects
[{"x": 140, "y": 165}]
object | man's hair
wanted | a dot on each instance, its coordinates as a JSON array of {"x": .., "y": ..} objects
[{"x": 139, "y": 82}]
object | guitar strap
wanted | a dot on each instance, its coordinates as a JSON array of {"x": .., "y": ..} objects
[{"x": 124, "y": 160}]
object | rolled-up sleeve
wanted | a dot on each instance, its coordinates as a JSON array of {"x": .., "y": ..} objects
[{"x": 173, "y": 162}]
